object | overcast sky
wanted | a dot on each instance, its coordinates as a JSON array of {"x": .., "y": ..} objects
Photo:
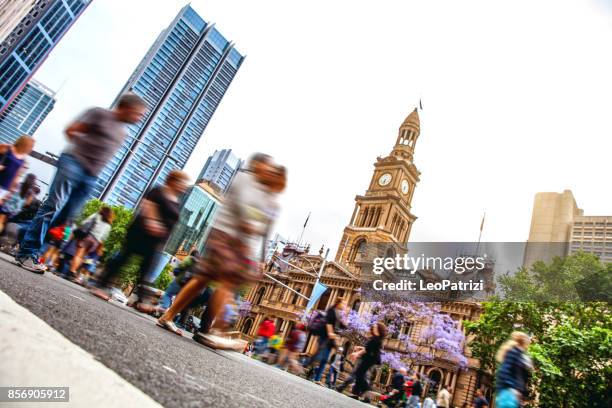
[{"x": 517, "y": 99}]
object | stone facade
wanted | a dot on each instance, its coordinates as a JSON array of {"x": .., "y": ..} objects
[{"x": 381, "y": 216}]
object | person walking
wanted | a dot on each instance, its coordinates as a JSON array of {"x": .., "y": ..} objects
[
  {"x": 94, "y": 137},
  {"x": 334, "y": 368},
  {"x": 16, "y": 201},
  {"x": 148, "y": 232},
  {"x": 327, "y": 339},
  {"x": 182, "y": 274},
  {"x": 293, "y": 347},
  {"x": 480, "y": 401},
  {"x": 90, "y": 236},
  {"x": 235, "y": 248},
  {"x": 429, "y": 402},
  {"x": 369, "y": 356},
  {"x": 264, "y": 333},
  {"x": 12, "y": 160},
  {"x": 443, "y": 398},
  {"x": 514, "y": 371},
  {"x": 414, "y": 400},
  {"x": 398, "y": 388}
]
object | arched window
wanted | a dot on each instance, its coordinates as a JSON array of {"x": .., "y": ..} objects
[
  {"x": 435, "y": 378},
  {"x": 323, "y": 300},
  {"x": 356, "y": 305},
  {"x": 246, "y": 326},
  {"x": 359, "y": 250},
  {"x": 259, "y": 296}
]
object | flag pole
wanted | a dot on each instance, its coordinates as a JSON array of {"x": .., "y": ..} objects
[
  {"x": 304, "y": 229},
  {"x": 484, "y": 214}
]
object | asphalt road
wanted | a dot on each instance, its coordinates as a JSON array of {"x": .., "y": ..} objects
[{"x": 174, "y": 371}]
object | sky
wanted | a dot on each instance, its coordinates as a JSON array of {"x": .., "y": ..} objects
[{"x": 516, "y": 100}]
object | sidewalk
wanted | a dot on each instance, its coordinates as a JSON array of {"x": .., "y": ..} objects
[{"x": 33, "y": 354}]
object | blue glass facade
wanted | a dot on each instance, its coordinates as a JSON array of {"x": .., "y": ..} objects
[
  {"x": 197, "y": 211},
  {"x": 27, "y": 46},
  {"x": 26, "y": 112},
  {"x": 220, "y": 169},
  {"x": 182, "y": 78}
]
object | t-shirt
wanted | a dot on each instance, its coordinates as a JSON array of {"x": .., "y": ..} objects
[
  {"x": 480, "y": 402},
  {"x": 248, "y": 201},
  {"x": 99, "y": 228},
  {"x": 168, "y": 211},
  {"x": 103, "y": 138}
]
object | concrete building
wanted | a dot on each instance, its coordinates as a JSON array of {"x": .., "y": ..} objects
[
  {"x": 220, "y": 169},
  {"x": 183, "y": 78},
  {"x": 382, "y": 216},
  {"x": 29, "y": 42},
  {"x": 559, "y": 227},
  {"x": 26, "y": 112}
]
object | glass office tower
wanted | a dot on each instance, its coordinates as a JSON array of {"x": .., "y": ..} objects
[
  {"x": 182, "y": 78},
  {"x": 27, "y": 111},
  {"x": 220, "y": 169},
  {"x": 29, "y": 43}
]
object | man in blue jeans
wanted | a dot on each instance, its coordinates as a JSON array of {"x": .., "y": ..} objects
[
  {"x": 327, "y": 339},
  {"x": 93, "y": 138}
]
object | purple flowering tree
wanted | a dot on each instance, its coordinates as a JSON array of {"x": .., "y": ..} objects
[
  {"x": 244, "y": 308},
  {"x": 440, "y": 337}
]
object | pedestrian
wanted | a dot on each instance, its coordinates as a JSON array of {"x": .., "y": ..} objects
[
  {"x": 57, "y": 238},
  {"x": 235, "y": 248},
  {"x": 19, "y": 199},
  {"x": 398, "y": 391},
  {"x": 480, "y": 401},
  {"x": 288, "y": 360},
  {"x": 182, "y": 274},
  {"x": 443, "y": 397},
  {"x": 12, "y": 161},
  {"x": 369, "y": 356},
  {"x": 264, "y": 332},
  {"x": 93, "y": 138},
  {"x": 90, "y": 237},
  {"x": 429, "y": 402},
  {"x": 414, "y": 400},
  {"x": 147, "y": 234},
  {"x": 514, "y": 371},
  {"x": 334, "y": 368},
  {"x": 275, "y": 345},
  {"x": 328, "y": 336}
]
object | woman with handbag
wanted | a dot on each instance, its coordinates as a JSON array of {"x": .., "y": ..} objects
[{"x": 90, "y": 236}]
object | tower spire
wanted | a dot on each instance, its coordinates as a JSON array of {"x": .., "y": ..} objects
[{"x": 408, "y": 133}]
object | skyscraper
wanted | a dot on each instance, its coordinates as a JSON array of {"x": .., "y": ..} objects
[
  {"x": 27, "y": 111},
  {"x": 220, "y": 168},
  {"x": 11, "y": 13},
  {"x": 182, "y": 78},
  {"x": 30, "y": 41}
]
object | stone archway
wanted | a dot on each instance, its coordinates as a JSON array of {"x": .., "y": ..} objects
[
  {"x": 247, "y": 325},
  {"x": 436, "y": 377}
]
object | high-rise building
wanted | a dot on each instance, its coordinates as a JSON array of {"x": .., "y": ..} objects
[
  {"x": 198, "y": 208},
  {"x": 26, "y": 112},
  {"x": 220, "y": 168},
  {"x": 183, "y": 78},
  {"x": 559, "y": 228},
  {"x": 31, "y": 40},
  {"x": 11, "y": 13}
]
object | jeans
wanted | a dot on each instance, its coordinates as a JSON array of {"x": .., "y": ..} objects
[
  {"x": 322, "y": 357},
  {"x": 69, "y": 190},
  {"x": 171, "y": 291},
  {"x": 332, "y": 375}
]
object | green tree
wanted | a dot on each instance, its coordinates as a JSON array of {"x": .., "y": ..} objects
[
  {"x": 572, "y": 340},
  {"x": 165, "y": 277},
  {"x": 122, "y": 219}
]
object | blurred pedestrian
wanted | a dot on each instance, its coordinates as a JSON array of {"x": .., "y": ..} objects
[
  {"x": 93, "y": 138},
  {"x": 514, "y": 372},
  {"x": 416, "y": 389},
  {"x": 328, "y": 336},
  {"x": 90, "y": 237},
  {"x": 57, "y": 237},
  {"x": 369, "y": 356},
  {"x": 398, "y": 392},
  {"x": 480, "y": 401},
  {"x": 13, "y": 204},
  {"x": 146, "y": 235},
  {"x": 295, "y": 343},
  {"x": 429, "y": 402},
  {"x": 443, "y": 398},
  {"x": 334, "y": 368},
  {"x": 12, "y": 161},
  {"x": 182, "y": 274},
  {"x": 264, "y": 333},
  {"x": 235, "y": 248}
]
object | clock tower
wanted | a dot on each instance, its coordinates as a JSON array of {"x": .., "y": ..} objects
[{"x": 382, "y": 215}]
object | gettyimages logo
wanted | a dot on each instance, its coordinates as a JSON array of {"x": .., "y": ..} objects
[{"x": 410, "y": 264}]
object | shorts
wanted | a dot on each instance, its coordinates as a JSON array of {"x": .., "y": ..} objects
[
  {"x": 226, "y": 259},
  {"x": 89, "y": 243}
]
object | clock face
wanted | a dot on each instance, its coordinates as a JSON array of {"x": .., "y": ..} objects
[
  {"x": 405, "y": 187},
  {"x": 384, "y": 179}
]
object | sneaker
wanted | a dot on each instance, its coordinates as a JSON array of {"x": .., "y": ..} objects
[{"x": 31, "y": 265}]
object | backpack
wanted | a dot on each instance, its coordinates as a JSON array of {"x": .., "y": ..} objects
[{"x": 316, "y": 326}]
